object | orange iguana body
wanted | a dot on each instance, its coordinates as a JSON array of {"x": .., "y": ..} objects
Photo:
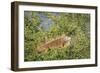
[{"x": 60, "y": 42}]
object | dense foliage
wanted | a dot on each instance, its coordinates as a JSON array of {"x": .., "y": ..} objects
[{"x": 41, "y": 27}]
